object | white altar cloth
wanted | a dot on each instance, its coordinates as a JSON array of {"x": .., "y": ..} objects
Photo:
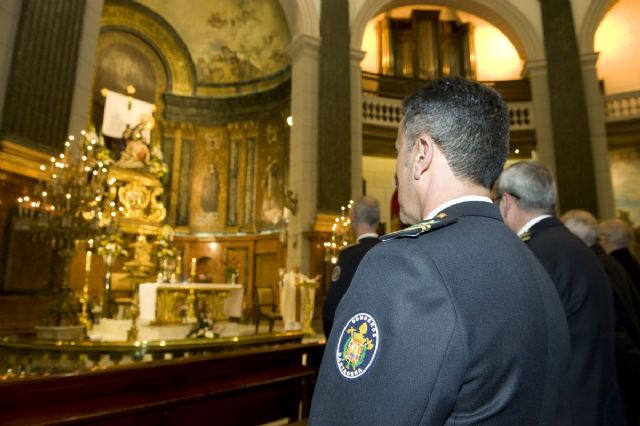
[{"x": 148, "y": 293}]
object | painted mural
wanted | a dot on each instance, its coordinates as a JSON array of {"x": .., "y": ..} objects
[
  {"x": 229, "y": 40},
  {"x": 625, "y": 175}
]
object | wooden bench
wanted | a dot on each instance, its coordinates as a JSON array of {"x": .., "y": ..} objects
[{"x": 234, "y": 388}]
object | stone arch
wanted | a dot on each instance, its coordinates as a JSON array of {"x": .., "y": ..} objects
[
  {"x": 589, "y": 25},
  {"x": 302, "y": 16},
  {"x": 501, "y": 13}
]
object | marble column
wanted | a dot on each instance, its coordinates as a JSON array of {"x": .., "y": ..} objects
[
  {"x": 356, "y": 123},
  {"x": 598, "y": 130},
  {"x": 9, "y": 18},
  {"x": 43, "y": 73},
  {"x": 536, "y": 72},
  {"x": 303, "y": 151},
  {"x": 575, "y": 172},
  {"x": 80, "y": 105},
  {"x": 334, "y": 108}
]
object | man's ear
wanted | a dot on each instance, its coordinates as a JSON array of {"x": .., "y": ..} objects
[{"x": 424, "y": 155}]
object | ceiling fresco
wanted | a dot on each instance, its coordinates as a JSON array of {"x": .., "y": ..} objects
[{"x": 229, "y": 40}]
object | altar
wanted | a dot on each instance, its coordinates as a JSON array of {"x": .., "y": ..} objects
[{"x": 176, "y": 303}]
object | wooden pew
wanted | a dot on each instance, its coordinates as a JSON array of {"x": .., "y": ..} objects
[{"x": 246, "y": 387}]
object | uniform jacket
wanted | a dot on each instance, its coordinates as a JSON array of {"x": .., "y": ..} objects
[
  {"x": 629, "y": 263},
  {"x": 348, "y": 262},
  {"x": 451, "y": 322},
  {"x": 627, "y": 320},
  {"x": 586, "y": 296}
]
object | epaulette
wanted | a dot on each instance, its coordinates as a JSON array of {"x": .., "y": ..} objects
[
  {"x": 420, "y": 228},
  {"x": 526, "y": 236}
]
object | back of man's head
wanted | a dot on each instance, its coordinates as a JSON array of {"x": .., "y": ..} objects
[
  {"x": 468, "y": 122},
  {"x": 532, "y": 184},
  {"x": 366, "y": 211},
  {"x": 616, "y": 232},
  {"x": 582, "y": 224}
]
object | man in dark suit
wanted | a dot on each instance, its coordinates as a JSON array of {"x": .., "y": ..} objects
[
  {"x": 365, "y": 218},
  {"x": 627, "y": 311},
  {"x": 526, "y": 193},
  {"x": 451, "y": 320},
  {"x": 615, "y": 238}
]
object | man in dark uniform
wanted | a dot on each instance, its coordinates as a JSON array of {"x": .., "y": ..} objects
[
  {"x": 526, "y": 193},
  {"x": 627, "y": 311},
  {"x": 452, "y": 320},
  {"x": 365, "y": 218},
  {"x": 615, "y": 238}
]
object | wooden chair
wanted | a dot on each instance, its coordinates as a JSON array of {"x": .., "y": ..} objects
[{"x": 265, "y": 306}]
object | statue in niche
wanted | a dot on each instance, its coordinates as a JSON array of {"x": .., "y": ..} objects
[
  {"x": 272, "y": 188},
  {"x": 136, "y": 153},
  {"x": 210, "y": 190}
]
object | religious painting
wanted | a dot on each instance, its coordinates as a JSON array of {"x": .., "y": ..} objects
[
  {"x": 625, "y": 175},
  {"x": 272, "y": 177},
  {"x": 208, "y": 177},
  {"x": 230, "y": 40}
]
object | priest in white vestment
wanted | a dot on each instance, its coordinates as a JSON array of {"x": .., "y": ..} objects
[{"x": 296, "y": 299}]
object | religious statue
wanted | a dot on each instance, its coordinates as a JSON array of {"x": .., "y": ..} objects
[
  {"x": 136, "y": 153},
  {"x": 297, "y": 295}
]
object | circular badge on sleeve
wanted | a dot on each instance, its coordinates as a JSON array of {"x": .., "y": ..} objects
[
  {"x": 357, "y": 346},
  {"x": 335, "y": 274}
]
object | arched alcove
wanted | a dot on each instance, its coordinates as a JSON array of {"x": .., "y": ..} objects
[
  {"x": 587, "y": 28},
  {"x": 500, "y": 13}
]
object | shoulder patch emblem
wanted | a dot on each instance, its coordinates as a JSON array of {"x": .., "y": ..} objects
[
  {"x": 420, "y": 228},
  {"x": 335, "y": 274},
  {"x": 357, "y": 346}
]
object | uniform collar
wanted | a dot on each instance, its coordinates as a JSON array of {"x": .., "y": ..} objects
[
  {"x": 367, "y": 235},
  {"x": 527, "y": 226},
  {"x": 458, "y": 200},
  {"x": 472, "y": 208}
]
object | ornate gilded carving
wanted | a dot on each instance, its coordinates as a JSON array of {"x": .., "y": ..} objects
[{"x": 140, "y": 196}]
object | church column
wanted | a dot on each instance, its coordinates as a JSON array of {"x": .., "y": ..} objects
[
  {"x": 9, "y": 17},
  {"x": 536, "y": 72},
  {"x": 43, "y": 69},
  {"x": 303, "y": 151},
  {"x": 356, "y": 123},
  {"x": 575, "y": 173},
  {"x": 598, "y": 129},
  {"x": 85, "y": 68},
  {"x": 334, "y": 108}
]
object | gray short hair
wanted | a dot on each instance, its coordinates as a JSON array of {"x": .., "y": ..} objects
[
  {"x": 468, "y": 121},
  {"x": 532, "y": 184},
  {"x": 366, "y": 209},
  {"x": 618, "y": 232},
  {"x": 582, "y": 224}
]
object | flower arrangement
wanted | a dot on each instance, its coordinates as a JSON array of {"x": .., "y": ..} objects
[
  {"x": 165, "y": 244},
  {"x": 205, "y": 327},
  {"x": 231, "y": 271},
  {"x": 111, "y": 244},
  {"x": 156, "y": 164}
]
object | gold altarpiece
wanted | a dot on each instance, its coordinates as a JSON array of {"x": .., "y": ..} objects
[{"x": 227, "y": 151}]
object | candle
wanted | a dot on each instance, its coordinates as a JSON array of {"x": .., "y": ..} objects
[{"x": 193, "y": 270}]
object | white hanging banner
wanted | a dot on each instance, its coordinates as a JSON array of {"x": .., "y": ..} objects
[{"x": 120, "y": 110}]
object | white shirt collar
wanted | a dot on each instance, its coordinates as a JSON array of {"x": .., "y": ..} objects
[
  {"x": 532, "y": 222},
  {"x": 367, "y": 235},
  {"x": 458, "y": 200}
]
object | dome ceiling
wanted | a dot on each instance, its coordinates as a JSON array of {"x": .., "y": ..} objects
[{"x": 229, "y": 41}]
